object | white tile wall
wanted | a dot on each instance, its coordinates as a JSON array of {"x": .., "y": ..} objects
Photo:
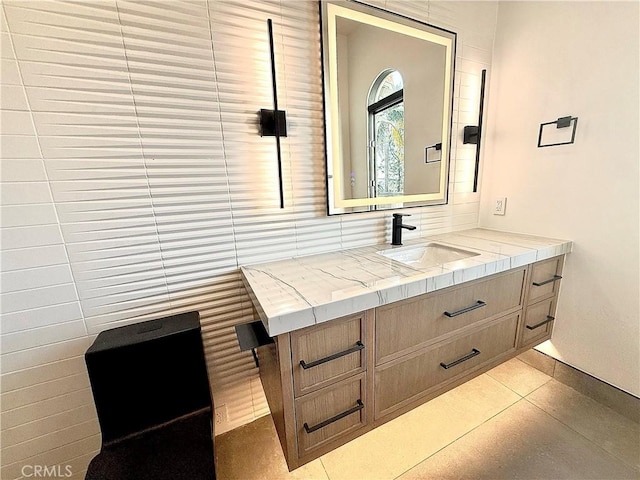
[{"x": 134, "y": 183}]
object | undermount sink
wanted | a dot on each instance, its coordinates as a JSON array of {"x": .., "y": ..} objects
[{"x": 426, "y": 254}]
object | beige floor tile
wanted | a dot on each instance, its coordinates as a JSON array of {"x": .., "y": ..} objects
[
  {"x": 522, "y": 442},
  {"x": 253, "y": 452},
  {"x": 613, "y": 432},
  {"x": 395, "y": 447},
  {"x": 518, "y": 376}
]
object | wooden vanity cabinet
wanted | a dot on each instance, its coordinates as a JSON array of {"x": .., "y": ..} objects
[
  {"x": 330, "y": 383},
  {"x": 408, "y": 325},
  {"x": 323, "y": 354},
  {"x": 318, "y": 385},
  {"x": 405, "y": 382},
  {"x": 542, "y": 296},
  {"x": 425, "y": 343}
]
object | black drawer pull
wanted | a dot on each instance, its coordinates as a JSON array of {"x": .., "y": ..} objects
[
  {"x": 544, "y": 322},
  {"x": 355, "y": 409},
  {"x": 551, "y": 280},
  {"x": 478, "y": 304},
  {"x": 473, "y": 353},
  {"x": 359, "y": 346}
]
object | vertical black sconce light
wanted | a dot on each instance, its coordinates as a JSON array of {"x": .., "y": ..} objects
[
  {"x": 273, "y": 123},
  {"x": 473, "y": 134}
]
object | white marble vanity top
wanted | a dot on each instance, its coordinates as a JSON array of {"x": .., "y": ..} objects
[{"x": 303, "y": 291}]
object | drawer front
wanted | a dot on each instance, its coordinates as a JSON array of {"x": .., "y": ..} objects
[
  {"x": 538, "y": 322},
  {"x": 403, "y": 381},
  {"x": 327, "y": 353},
  {"x": 545, "y": 279},
  {"x": 330, "y": 413},
  {"x": 408, "y": 325}
]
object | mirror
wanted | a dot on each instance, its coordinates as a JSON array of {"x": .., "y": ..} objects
[{"x": 388, "y": 99}]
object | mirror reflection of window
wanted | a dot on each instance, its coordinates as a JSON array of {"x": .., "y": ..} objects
[{"x": 386, "y": 135}]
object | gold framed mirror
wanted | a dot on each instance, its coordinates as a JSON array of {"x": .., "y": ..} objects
[{"x": 388, "y": 84}]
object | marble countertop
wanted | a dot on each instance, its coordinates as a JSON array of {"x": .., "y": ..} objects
[{"x": 303, "y": 291}]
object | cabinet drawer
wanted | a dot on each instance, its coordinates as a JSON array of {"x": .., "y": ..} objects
[
  {"x": 413, "y": 376},
  {"x": 405, "y": 326},
  {"x": 326, "y": 353},
  {"x": 538, "y": 322},
  {"x": 545, "y": 279},
  {"x": 330, "y": 413}
]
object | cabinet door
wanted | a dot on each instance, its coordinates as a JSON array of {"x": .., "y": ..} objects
[
  {"x": 545, "y": 279},
  {"x": 405, "y": 380},
  {"x": 405, "y": 326},
  {"x": 331, "y": 413},
  {"x": 538, "y": 322},
  {"x": 327, "y": 353}
]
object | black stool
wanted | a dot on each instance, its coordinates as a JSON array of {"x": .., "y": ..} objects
[{"x": 151, "y": 390}]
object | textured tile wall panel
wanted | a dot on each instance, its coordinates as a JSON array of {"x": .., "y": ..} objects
[
  {"x": 47, "y": 425},
  {"x": 16, "y": 259},
  {"x": 13, "y": 342},
  {"x": 22, "y": 170},
  {"x": 9, "y": 73},
  {"x": 135, "y": 183},
  {"x": 24, "y": 193},
  {"x": 39, "y": 317},
  {"x": 78, "y": 453},
  {"x": 62, "y": 403},
  {"x": 25, "y": 451},
  {"x": 37, "y": 356},
  {"x": 19, "y": 146},
  {"x": 26, "y": 215},
  {"x": 42, "y": 391},
  {"x": 35, "y": 278},
  {"x": 44, "y": 373}
]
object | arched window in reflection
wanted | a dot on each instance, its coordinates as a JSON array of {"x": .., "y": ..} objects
[{"x": 386, "y": 135}]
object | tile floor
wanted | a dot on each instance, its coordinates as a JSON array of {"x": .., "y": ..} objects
[{"x": 513, "y": 422}]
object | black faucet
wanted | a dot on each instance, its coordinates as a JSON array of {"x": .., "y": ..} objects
[{"x": 396, "y": 232}]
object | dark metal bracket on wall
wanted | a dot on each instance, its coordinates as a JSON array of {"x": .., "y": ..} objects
[
  {"x": 562, "y": 122},
  {"x": 273, "y": 123},
  {"x": 473, "y": 134},
  {"x": 437, "y": 147}
]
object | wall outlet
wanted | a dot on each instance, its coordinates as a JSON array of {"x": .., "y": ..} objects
[
  {"x": 499, "y": 205},
  {"x": 221, "y": 414}
]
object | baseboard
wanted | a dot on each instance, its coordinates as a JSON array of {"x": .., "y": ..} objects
[{"x": 618, "y": 400}]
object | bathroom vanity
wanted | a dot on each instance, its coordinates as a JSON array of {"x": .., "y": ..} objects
[{"x": 364, "y": 335}]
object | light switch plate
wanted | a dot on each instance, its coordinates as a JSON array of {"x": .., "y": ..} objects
[{"x": 499, "y": 205}]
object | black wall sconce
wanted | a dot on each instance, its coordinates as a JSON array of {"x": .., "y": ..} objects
[
  {"x": 562, "y": 122},
  {"x": 473, "y": 134},
  {"x": 273, "y": 123}
]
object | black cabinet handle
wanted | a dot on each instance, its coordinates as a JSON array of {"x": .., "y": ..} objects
[
  {"x": 544, "y": 322},
  {"x": 551, "y": 280},
  {"x": 478, "y": 304},
  {"x": 359, "y": 346},
  {"x": 355, "y": 409},
  {"x": 473, "y": 353}
]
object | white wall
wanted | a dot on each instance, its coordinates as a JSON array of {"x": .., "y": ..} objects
[
  {"x": 553, "y": 59},
  {"x": 134, "y": 183},
  {"x": 421, "y": 65}
]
